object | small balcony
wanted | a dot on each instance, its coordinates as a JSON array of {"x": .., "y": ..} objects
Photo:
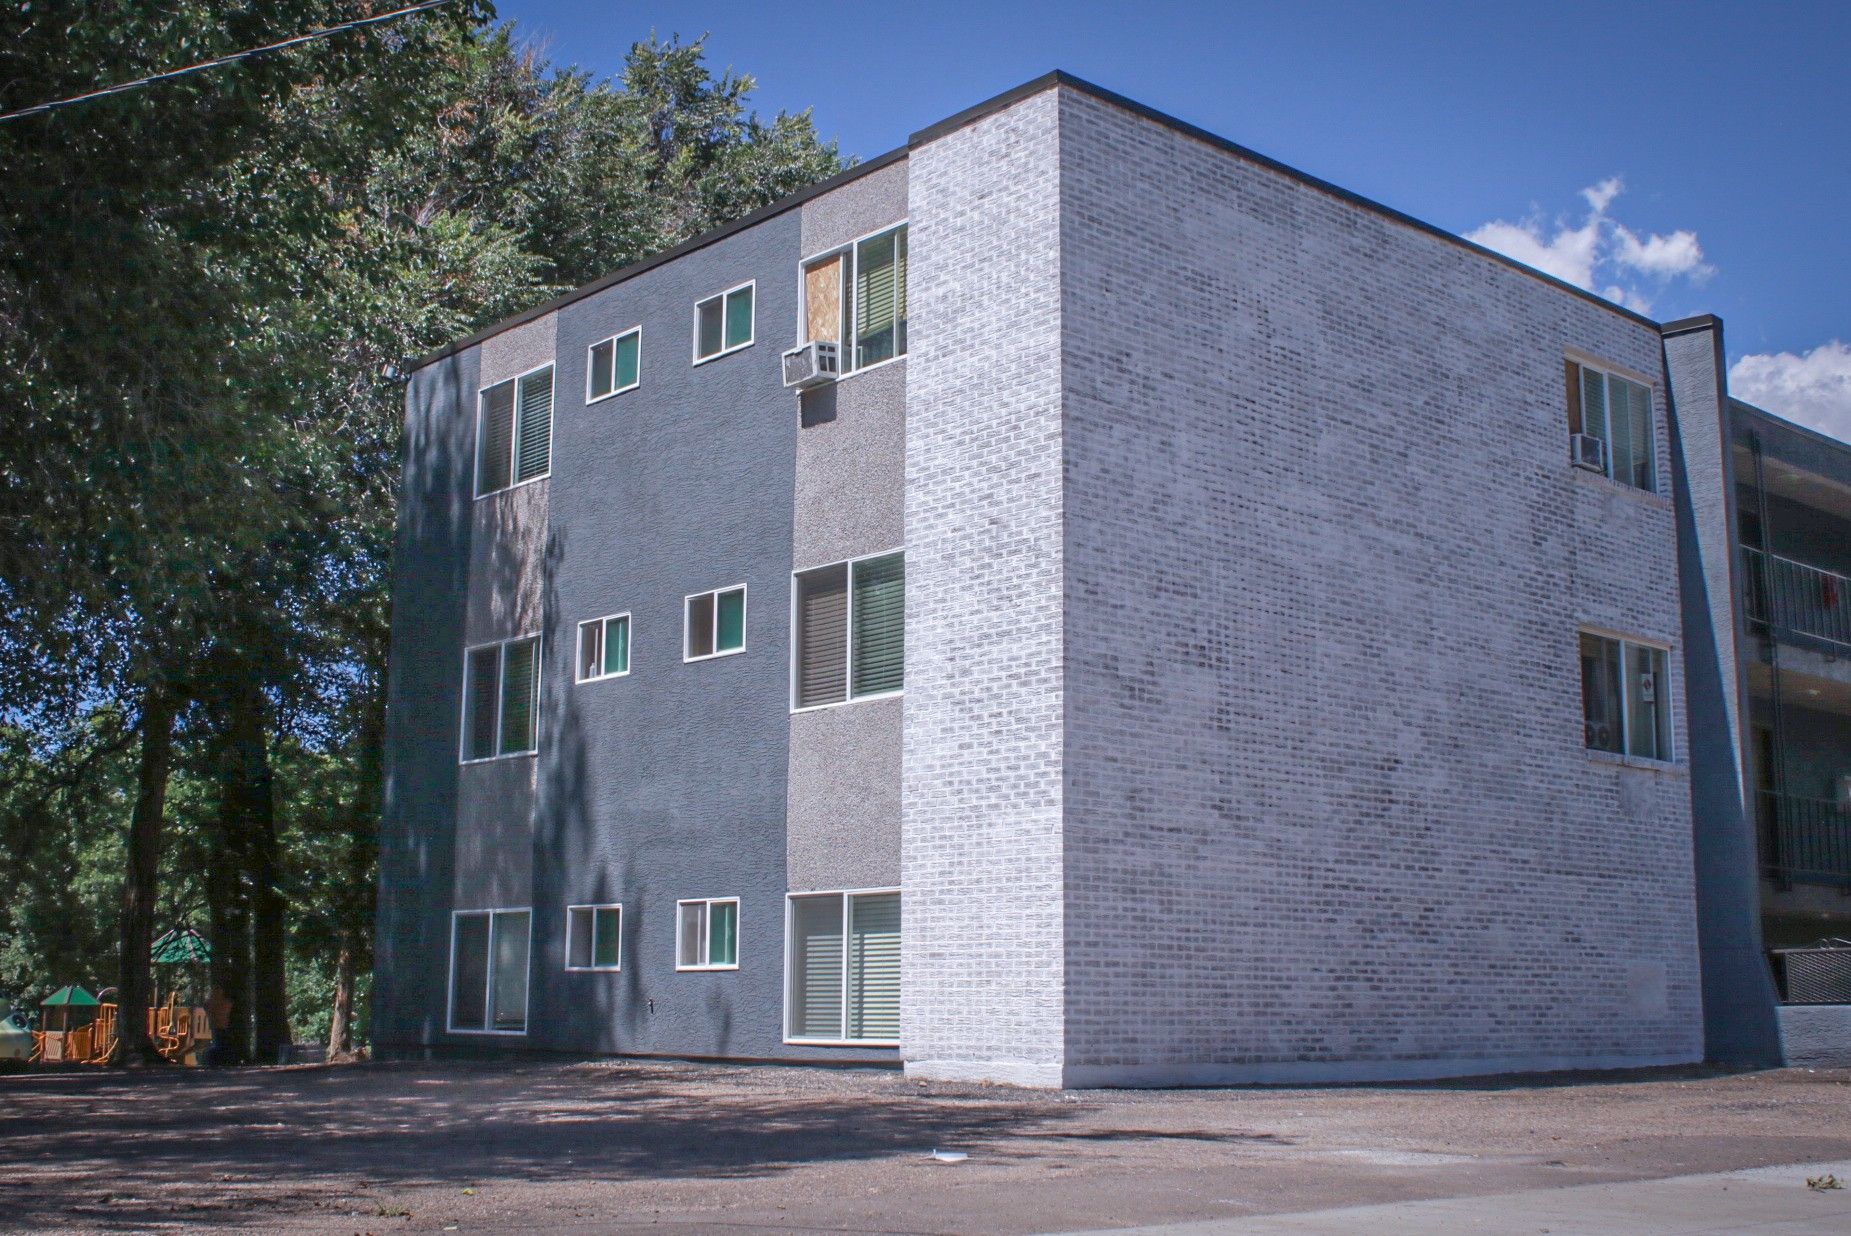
[
  {"x": 1790, "y": 598},
  {"x": 1804, "y": 840}
]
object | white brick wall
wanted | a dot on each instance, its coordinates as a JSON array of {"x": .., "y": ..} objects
[
  {"x": 981, "y": 767},
  {"x": 1327, "y": 809}
]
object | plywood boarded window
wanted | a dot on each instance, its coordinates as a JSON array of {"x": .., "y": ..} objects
[{"x": 822, "y": 300}]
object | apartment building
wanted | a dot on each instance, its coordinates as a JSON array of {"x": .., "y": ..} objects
[{"x": 1076, "y": 602}]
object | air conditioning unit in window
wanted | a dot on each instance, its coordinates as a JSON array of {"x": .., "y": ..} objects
[
  {"x": 812, "y": 364},
  {"x": 1587, "y": 451}
]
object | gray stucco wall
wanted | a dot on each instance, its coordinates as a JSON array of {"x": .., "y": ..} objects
[
  {"x": 1817, "y": 1036},
  {"x": 1328, "y": 811},
  {"x": 844, "y": 786},
  {"x": 423, "y": 692}
]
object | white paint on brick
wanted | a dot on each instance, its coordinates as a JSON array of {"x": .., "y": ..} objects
[{"x": 981, "y": 755}]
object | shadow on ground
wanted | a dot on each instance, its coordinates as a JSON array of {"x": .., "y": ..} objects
[{"x": 121, "y": 1151}]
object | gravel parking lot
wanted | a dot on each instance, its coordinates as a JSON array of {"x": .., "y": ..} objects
[{"x": 632, "y": 1145}]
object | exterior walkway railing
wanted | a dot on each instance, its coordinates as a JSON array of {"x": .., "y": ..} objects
[
  {"x": 1805, "y": 840},
  {"x": 1792, "y": 596}
]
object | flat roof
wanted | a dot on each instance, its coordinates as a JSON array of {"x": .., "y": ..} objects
[{"x": 971, "y": 115}]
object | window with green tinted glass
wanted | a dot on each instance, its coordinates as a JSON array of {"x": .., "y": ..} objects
[
  {"x": 707, "y": 934},
  {"x": 723, "y": 323},
  {"x": 715, "y": 624},
  {"x": 594, "y": 937},
  {"x": 612, "y": 366},
  {"x": 604, "y": 647}
]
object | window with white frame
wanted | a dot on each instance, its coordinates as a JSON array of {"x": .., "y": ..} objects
[
  {"x": 707, "y": 934},
  {"x": 614, "y": 365},
  {"x": 848, "y": 639},
  {"x": 501, "y": 699},
  {"x": 1619, "y": 413},
  {"x": 594, "y": 937},
  {"x": 844, "y": 976},
  {"x": 514, "y": 431},
  {"x": 856, "y": 297},
  {"x": 1625, "y": 697},
  {"x": 715, "y": 624},
  {"x": 723, "y": 323},
  {"x": 604, "y": 648},
  {"x": 488, "y": 971}
]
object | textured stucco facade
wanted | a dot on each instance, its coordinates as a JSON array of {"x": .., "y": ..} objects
[{"x": 1242, "y": 733}]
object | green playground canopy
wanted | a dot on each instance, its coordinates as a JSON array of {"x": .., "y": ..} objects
[
  {"x": 180, "y": 944},
  {"x": 70, "y": 997}
]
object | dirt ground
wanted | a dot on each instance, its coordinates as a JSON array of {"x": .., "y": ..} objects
[{"x": 624, "y": 1146}]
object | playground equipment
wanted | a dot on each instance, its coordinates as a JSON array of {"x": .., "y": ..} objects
[{"x": 67, "y": 1027}]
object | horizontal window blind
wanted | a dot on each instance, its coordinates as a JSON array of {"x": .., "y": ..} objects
[
  {"x": 536, "y": 425},
  {"x": 495, "y": 438},
  {"x": 816, "y": 968},
  {"x": 479, "y": 702},
  {"x": 822, "y": 636},
  {"x": 876, "y": 299},
  {"x": 519, "y": 685},
  {"x": 880, "y": 624},
  {"x": 874, "y": 966}
]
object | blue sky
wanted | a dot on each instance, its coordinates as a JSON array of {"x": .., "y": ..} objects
[{"x": 1686, "y": 158}]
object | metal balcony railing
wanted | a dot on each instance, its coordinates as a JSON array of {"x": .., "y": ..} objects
[
  {"x": 1790, "y": 596},
  {"x": 1817, "y": 974},
  {"x": 1804, "y": 840}
]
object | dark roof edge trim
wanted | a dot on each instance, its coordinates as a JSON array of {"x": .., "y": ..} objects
[
  {"x": 1060, "y": 77},
  {"x": 1685, "y": 326},
  {"x": 1805, "y": 433},
  {"x": 688, "y": 246}
]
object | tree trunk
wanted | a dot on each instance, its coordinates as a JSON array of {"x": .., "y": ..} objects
[
  {"x": 229, "y": 905},
  {"x": 340, "y": 1028},
  {"x": 134, "y": 982},
  {"x": 251, "y": 797}
]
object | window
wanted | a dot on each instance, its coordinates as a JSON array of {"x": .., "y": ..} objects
[
  {"x": 501, "y": 699},
  {"x": 604, "y": 648},
  {"x": 514, "y": 431},
  {"x": 594, "y": 937},
  {"x": 488, "y": 971},
  {"x": 716, "y": 624},
  {"x": 723, "y": 323},
  {"x": 844, "y": 981},
  {"x": 1619, "y": 413},
  {"x": 849, "y": 631},
  {"x": 856, "y": 297},
  {"x": 1625, "y": 697},
  {"x": 614, "y": 366},
  {"x": 707, "y": 934}
]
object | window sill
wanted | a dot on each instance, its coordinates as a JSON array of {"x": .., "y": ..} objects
[
  {"x": 506, "y": 1034},
  {"x": 724, "y": 352},
  {"x": 710, "y": 656},
  {"x": 705, "y": 969},
  {"x": 594, "y": 969},
  {"x": 622, "y": 390},
  {"x": 496, "y": 759},
  {"x": 1645, "y": 497},
  {"x": 508, "y": 489},
  {"x": 859, "y": 699},
  {"x": 842, "y": 1042},
  {"x": 580, "y": 682},
  {"x": 1639, "y": 762}
]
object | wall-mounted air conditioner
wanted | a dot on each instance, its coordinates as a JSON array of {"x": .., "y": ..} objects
[
  {"x": 1587, "y": 451},
  {"x": 812, "y": 364}
]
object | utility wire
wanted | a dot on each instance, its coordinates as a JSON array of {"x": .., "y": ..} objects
[{"x": 40, "y": 109}]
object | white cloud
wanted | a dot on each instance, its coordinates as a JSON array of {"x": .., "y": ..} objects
[
  {"x": 1598, "y": 248},
  {"x": 1813, "y": 389}
]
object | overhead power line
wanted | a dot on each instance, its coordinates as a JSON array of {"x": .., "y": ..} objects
[{"x": 39, "y": 109}]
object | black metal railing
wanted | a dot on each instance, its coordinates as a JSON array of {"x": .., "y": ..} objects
[
  {"x": 1792, "y": 597},
  {"x": 1817, "y": 974},
  {"x": 1805, "y": 840}
]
